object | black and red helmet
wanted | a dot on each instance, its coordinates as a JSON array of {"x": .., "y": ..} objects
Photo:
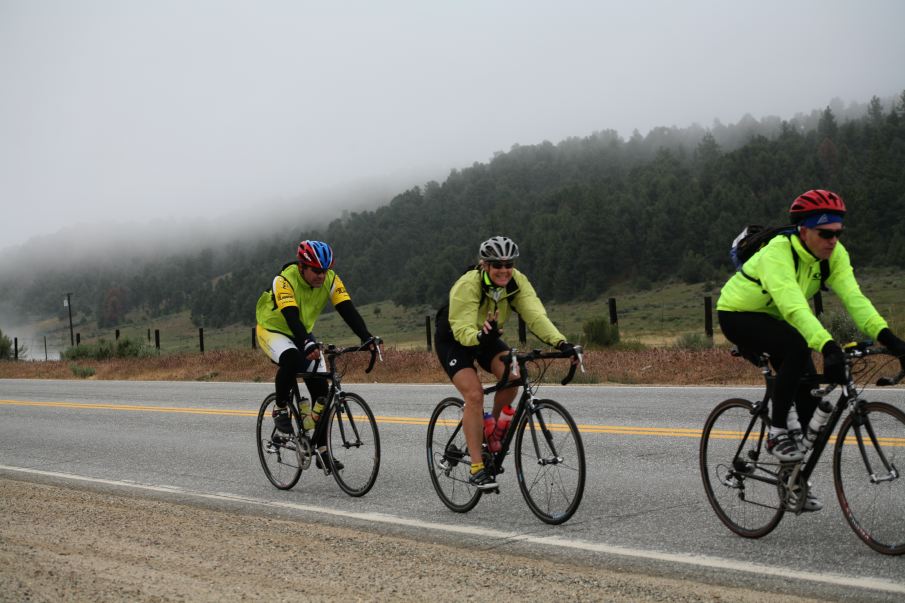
[{"x": 817, "y": 201}]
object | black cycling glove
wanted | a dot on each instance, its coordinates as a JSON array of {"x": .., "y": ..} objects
[
  {"x": 893, "y": 344},
  {"x": 833, "y": 363},
  {"x": 566, "y": 347},
  {"x": 490, "y": 337}
]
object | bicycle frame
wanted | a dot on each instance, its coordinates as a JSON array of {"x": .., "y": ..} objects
[
  {"x": 334, "y": 393},
  {"x": 849, "y": 400},
  {"x": 525, "y": 403}
]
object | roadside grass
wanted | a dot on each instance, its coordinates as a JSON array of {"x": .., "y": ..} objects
[
  {"x": 626, "y": 366},
  {"x": 658, "y": 327}
]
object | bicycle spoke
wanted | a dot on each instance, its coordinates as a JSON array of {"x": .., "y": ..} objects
[
  {"x": 447, "y": 457},
  {"x": 550, "y": 462},
  {"x": 866, "y": 469},
  {"x": 356, "y": 462},
  {"x": 281, "y": 459},
  {"x": 741, "y": 489}
]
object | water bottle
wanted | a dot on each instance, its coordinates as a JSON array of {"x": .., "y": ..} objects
[
  {"x": 502, "y": 425},
  {"x": 305, "y": 411},
  {"x": 318, "y": 409},
  {"x": 489, "y": 426},
  {"x": 821, "y": 414},
  {"x": 794, "y": 426}
]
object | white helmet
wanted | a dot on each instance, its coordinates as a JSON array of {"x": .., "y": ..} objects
[{"x": 498, "y": 249}]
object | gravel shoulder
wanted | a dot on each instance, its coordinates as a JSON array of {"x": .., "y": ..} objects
[{"x": 74, "y": 544}]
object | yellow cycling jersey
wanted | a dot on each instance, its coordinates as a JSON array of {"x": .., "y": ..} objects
[{"x": 290, "y": 289}]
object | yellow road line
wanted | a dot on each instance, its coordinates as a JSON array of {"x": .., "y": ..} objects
[{"x": 676, "y": 432}]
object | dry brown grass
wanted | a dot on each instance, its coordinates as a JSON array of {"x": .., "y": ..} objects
[{"x": 667, "y": 366}]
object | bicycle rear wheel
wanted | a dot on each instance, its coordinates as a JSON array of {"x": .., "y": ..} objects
[
  {"x": 549, "y": 462},
  {"x": 354, "y": 444},
  {"x": 868, "y": 461},
  {"x": 741, "y": 489},
  {"x": 281, "y": 458},
  {"x": 447, "y": 457}
]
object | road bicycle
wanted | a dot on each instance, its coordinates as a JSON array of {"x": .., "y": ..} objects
[
  {"x": 549, "y": 455},
  {"x": 750, "y": 491},
  {"x": 352, "y": 441}
]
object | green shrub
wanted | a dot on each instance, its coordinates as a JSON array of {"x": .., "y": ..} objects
[
  {"x": 694, "y": 341},
  {"x": 104, "y": 349},
  {"x": 599, "y": 332},
  {"x": 82, "y": 372}
]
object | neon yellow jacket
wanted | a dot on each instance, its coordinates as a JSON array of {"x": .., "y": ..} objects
[
  {"x": 473, "y": 296},
  {"x": 784, "y": 293},
  {"x": 290, "y": 289}
]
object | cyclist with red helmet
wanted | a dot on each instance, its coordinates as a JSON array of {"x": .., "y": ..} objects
[
  {"x": 286, "y": 313},
  {"x": 468, "y": 331},
  {"x": 764, "y": 308}
]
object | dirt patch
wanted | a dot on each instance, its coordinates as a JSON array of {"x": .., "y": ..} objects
[{"x": 69, "y": 544}]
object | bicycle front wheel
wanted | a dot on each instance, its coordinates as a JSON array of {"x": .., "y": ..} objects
[
  {"x": 741, "y": 489},
  {"x": 354, "y": 445},
  {"x": 867, "y": 470},
  {"x": 549, "y": 462},
  {"x": 447, "y": 457},
  {"x": 281, "y": 458}
]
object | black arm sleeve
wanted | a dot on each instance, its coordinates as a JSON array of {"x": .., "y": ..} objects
[
  {"x": 291, "y": 314},
  {"x": 347, "y": 310}
]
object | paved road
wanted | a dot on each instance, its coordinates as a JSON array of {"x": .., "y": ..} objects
[{"x": 644, "y": 506}]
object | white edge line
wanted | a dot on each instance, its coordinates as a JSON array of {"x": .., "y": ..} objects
[{"x": 695, "y": 560}]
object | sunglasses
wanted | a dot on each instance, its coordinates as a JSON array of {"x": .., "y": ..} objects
[
  {"x": 825, "y": 233},
  {"x": 499, "y": 265},
  {"x": 317, "y": 271}
]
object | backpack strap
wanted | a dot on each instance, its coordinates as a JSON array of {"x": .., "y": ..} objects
[
  {"x": 824, "y": 274},
  {"x": 824, "y": 271}
]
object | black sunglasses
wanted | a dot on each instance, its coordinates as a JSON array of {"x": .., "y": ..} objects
[
  {"x": 316, "y": 270},
  {"x": 499, "y": 265},
  {"x": 826, "y": 233}
]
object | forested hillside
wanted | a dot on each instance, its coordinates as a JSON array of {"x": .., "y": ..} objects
[{"x": 586, "y": 212}]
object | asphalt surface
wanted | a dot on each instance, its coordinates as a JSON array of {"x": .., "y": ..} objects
[{"x": 644, "y": 507}]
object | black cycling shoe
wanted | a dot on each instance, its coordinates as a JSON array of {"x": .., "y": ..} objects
[
  {"x": 282, "y": 421},
  {"x": 482, "y": 480},
  {"x": 336, "y": 464}
]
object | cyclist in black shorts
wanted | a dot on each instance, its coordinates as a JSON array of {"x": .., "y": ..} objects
[{"x": 468, "y": 330}]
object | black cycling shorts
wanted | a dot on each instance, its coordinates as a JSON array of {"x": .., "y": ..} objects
[{"x": 454, "y": 356}]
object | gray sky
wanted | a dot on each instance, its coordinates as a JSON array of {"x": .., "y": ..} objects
[{"x": 133, "y": 110}]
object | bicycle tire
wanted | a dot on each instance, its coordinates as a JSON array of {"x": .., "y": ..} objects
[
  {"x": 741, "y": 490},
  {"x": 447, "y": 457},
  {"x": 354, "y": 442},
  {"x": 874, "y": 509},
  {"x": 281, "y": 461},
  {"x": 550, "y": 462}
]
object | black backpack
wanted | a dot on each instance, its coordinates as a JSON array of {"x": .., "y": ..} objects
[{"x": 754, "y": 237}]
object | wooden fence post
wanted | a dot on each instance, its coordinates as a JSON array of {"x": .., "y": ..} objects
[
  {"x": 614, "y": 319},
  {"x": 427, "y": 329},
  {"x": 157, "y": 339},
  {"x": 201, "y": 338},
  {"x": 254, "y": 343},
  {"x": 708, "y": 316}
]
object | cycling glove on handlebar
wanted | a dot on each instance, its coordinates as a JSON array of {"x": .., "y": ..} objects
[
  {"x": 833, "y": 362},
  {"x": 893, "y": 344}
]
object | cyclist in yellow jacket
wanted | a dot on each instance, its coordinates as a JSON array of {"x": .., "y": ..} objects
[
  {"x": 764, "y": 308},
  {"x": 468, "y": 330},
  {"x": 286, "y": 314}
]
